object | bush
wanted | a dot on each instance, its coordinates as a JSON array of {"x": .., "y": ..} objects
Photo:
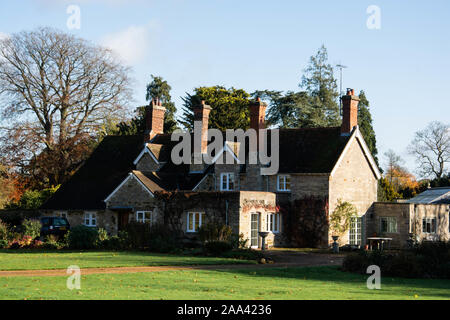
[
  {"x": 82, "y": 237},
  {"x": 3, "y": 244},
  {"x": 163, "y": 239},
  {"x": 217, "y": 248},
  {"x": 214, "y": 232},
  {"x": 138, "y": 234},
  {"x": 4, "y": 232},
  {"x": 427, "y": 260},
  {"x": 243, "y": 254},
  {"x": 52, "y": 243},
  {"x": 238, "y": 242},
  {"x": 356, "y": 262},
  {"x": 31, "y": 228},
  {"x": 118, "y": 242}
]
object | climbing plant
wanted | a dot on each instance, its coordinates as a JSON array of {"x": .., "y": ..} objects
[{"x": 341, "y": 217}]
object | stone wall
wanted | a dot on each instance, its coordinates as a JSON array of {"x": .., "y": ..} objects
[
  {"x": 262, "y": 203},
  {"x": 353, "y": 181},
  {"x": 147, "y": 164},
  {"x": 105, "y": 219},
  {"x": 409, "y": 221},
  {"x": 133, "y": 195}
]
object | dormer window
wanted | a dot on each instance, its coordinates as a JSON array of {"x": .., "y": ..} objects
[
  {"x": 227, "y": 181},
  {"x": 284, "y": 183}
]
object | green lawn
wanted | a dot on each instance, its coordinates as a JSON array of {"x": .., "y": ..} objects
[
  {"x": 35, "y": 260},
  {"x": 274, "y": 283}
]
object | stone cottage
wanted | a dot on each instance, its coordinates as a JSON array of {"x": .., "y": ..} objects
[
  {"x": 124, "y": 179},
  {"x": 425, "y": 217}
]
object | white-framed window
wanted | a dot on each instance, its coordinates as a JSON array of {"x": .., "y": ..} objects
[
  {"x": 429, "y": 225},
  {"x": 227, "y": 181},
  {"x": 388, "y": 224},
  {"x": 144, "y": 216},
  {"x": 194, "y": 221},
  {"x": 274, "y": 222},
  {"x": 63, "y": 214},
  {"x": 355, "y": 232},
  {"x": 90, "y": 219},
  {"x": 284, "y": 182}
]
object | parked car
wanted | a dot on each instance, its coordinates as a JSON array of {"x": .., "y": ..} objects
[{"x": 57, "y": 226}]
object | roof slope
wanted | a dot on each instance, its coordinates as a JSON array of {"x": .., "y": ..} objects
[
  {"x": 310, "y": 150},
  {"x": 306, "y": 150},
  {"x": 159, "y": 181},
  {"x": 106, "y": 168},
  {"x": 434, "y": 195}
]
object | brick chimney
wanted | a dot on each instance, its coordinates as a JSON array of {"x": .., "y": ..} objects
[
  {"x": 350, "y": 112},
  {"x": 201, "y": 113},
  {"x": 258, "y": 114},
  {"x": 154, "y": 119}
]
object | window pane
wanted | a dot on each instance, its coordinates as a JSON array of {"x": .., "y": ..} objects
[
  {"x": 383, "y": 225},
  {"x": 224, "y": 182},
  {"x": 190, "y": 221},
  {"x": 59, "y": 222},
  {"x": 231, "y": 181},
  {"x": 288, "y": 183},
  {"x": 197, "y": 221}
]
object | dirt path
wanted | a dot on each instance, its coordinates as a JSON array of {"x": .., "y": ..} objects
[{"x": 285, "y": 260}]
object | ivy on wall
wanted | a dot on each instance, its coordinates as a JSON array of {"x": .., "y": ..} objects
[{"x": 306, "y": 222}]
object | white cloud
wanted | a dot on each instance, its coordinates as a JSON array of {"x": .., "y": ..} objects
[{"x": 131, "y": 44}]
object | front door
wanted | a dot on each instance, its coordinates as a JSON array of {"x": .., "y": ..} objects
[
  {"x": 254, "y": 229},
  {"x": 123, "y": 220}
]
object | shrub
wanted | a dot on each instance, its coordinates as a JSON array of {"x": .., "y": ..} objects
[
  {"x": 163, "y": 239},
  {"x": 82, "y": 237},
  {"x": 243, "y": 254},
  {"x": 427, "y": 260},
  {"x": 52, "y": 243},
  {"x": 356, "y": 262},
  {"x": 4, "y": 232},
  {"x": 214, "y": 232},
  {"x": 404, "y": 265},
  {"x": 37, "y": 244},
  {"x": 118, "y": 242},
  {"x": 238, "y": 242},
  {"x": 217, "y": 248},
  {"x": 31, "y": 228},
  {"x": 21, "y": 243},
  {"x": 3, "y": 244},
  {"x": 138, "y": 234}
]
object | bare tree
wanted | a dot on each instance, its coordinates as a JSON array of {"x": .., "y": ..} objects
[
  {"x": 56, "y": 91},
  {"x": 431, "y": 148},
  {"x": 394, "y": 163}
]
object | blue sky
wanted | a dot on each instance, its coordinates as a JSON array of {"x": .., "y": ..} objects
[{"x": 403, "y": 67}]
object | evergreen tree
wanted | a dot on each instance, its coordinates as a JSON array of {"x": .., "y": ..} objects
[
  {"x": 230, "y": 107},
  {"x": 290, "y": 110},
  {"x": 160, "y": 89},
  {"x": 319, "y": 82},
  {"x": 157, "y": 89},
  {"x": 366, "y": 125}
]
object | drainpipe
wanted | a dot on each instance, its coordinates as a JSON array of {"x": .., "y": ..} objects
[{"x": 226, "y": 212}]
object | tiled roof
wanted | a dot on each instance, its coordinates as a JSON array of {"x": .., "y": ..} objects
[
  {"x": 313, "y": 150},
  {"x": 107, "y": 167}
]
